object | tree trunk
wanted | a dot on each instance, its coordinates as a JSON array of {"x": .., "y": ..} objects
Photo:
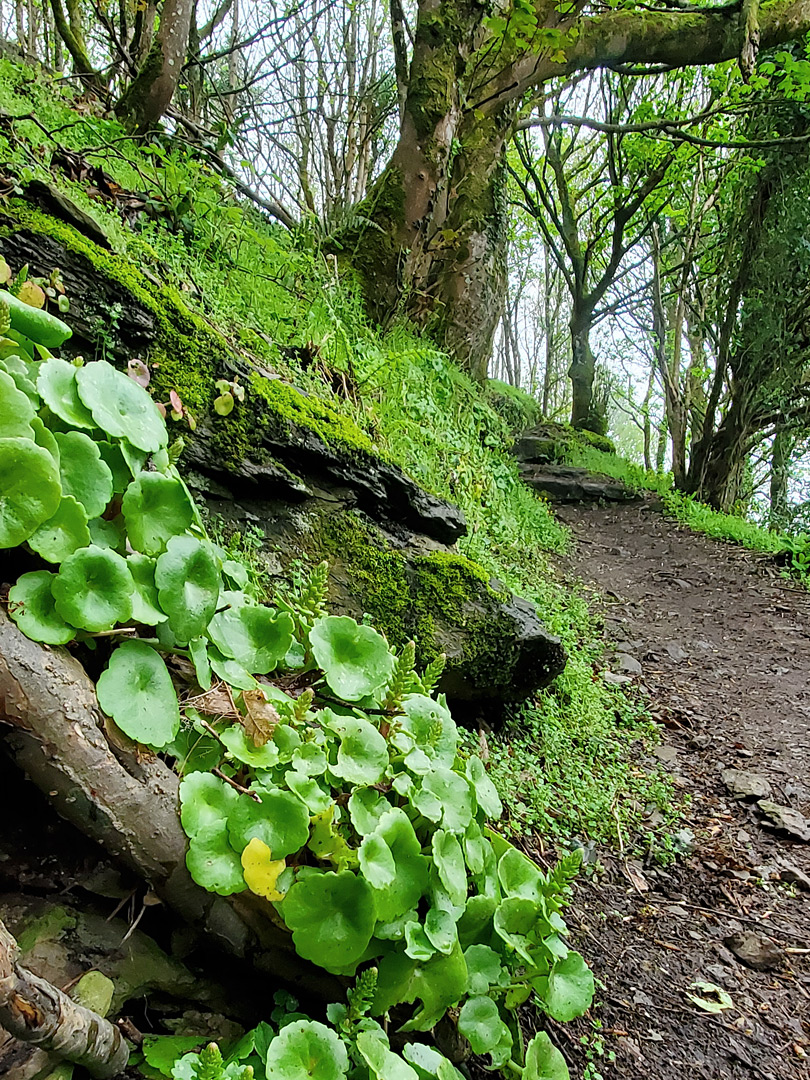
[
  {"x": 581, "y": 372},
  {"x": 70, "y": 31},
  {"x": 781, "y": 451},
  {"x": 723, "y": 470},
  {"x": 150, "y": 93}
]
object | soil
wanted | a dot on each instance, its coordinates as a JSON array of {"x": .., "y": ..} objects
[{"x": 719, "y": 643}]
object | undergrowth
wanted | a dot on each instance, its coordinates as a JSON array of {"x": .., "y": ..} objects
[{"x": 282, "y": 299}]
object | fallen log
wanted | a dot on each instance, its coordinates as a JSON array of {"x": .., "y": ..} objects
[
  {"x": 128, "y": 803},
  {"x": 35, "y": 1012}
]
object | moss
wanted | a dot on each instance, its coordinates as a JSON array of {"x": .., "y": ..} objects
[
  {"x": 188, "y": 357},
  {"x": 405, "y": 598},
  {"x": 49, "y": 927}
]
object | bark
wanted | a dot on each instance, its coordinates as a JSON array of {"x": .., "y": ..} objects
[
  {"x": 126, "y": 803},
  {"x": 34, "y": 1011},
  {"x": 668, "y": 366},
  {"x": 781, "y": 451},
  {"x": 581, "y": 372},
  {"x": 68, "y": 27},
  {"x": 150, "y": 93}
]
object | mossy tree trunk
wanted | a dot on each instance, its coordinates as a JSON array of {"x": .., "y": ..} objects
[
  {"x": 150, "y": 93},
  {"x": 434, "y": 252}
]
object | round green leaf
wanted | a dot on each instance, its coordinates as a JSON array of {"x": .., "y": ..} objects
[
  {"x": 156, "y": 508},
  {"x": 45, "y": 438},
  {"x": 280, "y": 820},
  {"x": 213, "y": 863},
  {"x": 246, "y": 751},
  {"x": 486, "y": 793},
  {"x": 430, "y": 1062},
  {"x": 439, "y": 983},
  {"x": 309, "y": 791},
  {"x": 121, "y": 407},
  {"x": 56, "y": 382},
  {"x": 332, "y": 918},
  {"x": 366, "y": 808},
  {"x": 187, "y": 578},
  {"x": 455, "y": 795},
  {"x": 449, "y": 860},
  {"x": 29, "y": 489},
  {"x": 383, "y": 1062},
  {"x": 377, "y": 862},
  {"x": 429, "y": 722},
  {"x": 440, "y": 930},
  {"x": 32, "y": 608},
  {"x": 62, "y": 534},
  {"x": 519, "y": 876},
  {"x": 205, "y": 802},
  {"x": 114, "y": 460},
  {"x": 145, "y": 608},
  {"x": 515, "y": 919},
  {"x": 84, "y": 475},
  {"x": 93, "y": 589},
  {"x": 483, "y": 967},
  {"x": 355, "y": 659},
  {"x": 481, "y": 1024},
  {"x": 568, "y": 991},
  {"x": 136, "y": 691},
  {"x": 21, "y": 372},
  {"x": 411, "y": 879},
  {"x": 544, "y": 1061},
  {"x": 256, "y": 637},
  {"x": 363, "y": 753},
  {"x": 16, "y": 411},
  {"x": 306, "y": 1050}
]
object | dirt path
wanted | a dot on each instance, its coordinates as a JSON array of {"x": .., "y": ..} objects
[{"x": 721, "y": 644}]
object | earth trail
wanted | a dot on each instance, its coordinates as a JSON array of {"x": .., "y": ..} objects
[{"x": 720, "y": 644}]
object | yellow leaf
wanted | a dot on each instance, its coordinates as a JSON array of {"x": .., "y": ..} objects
[{"x": 261, "y": 870}]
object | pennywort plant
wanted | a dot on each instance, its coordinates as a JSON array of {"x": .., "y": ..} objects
[{"x": 319, "y": 769}]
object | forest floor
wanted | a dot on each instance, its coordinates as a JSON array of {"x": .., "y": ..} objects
[{"x": 719, "y": 644}]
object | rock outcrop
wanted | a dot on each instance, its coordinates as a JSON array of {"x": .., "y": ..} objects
[{"x": 287, "y": 467}]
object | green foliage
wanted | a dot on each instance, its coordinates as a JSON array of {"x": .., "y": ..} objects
[{"x": 518, "y": 409}]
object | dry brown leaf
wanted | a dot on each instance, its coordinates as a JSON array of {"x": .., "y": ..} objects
[{"x": 260, "y": 717}]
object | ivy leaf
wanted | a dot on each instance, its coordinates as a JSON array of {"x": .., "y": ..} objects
[
  {"x": 29, "y": 489},
  {"x": 121, "y": 407},
  {"x": 155, "y": 508},
  {"x": 136, "y": 691},
  {"x": 261, "y": 870},
  {"x": 381, "y": 1060},
  {"x": 306, "y": 1050},
  {"x": 31, "y": 606},
  {"x": 332, "y": 919},
  {"x": 355, "y": 659},
  {"x": 93, "y": 589},
  {"x": 280, "y": 820},
  {"x": 84, "y": 474},
  {"x": 187, "y": 579},
  {"x": 256, "y": 637},
  {"x": 481, "y": 1024},
  {"x": 362, "y": 756},
  {"x": 205, "y": 802},
  {"x": 438, "y": 983},
  {"x": 57, "y": 386},
  {"x": 544, "y": 1061},
  {"x": 567, "y": 992},
  {"x": 62, "y": 534},
  {"x": 411, "y": 880}
]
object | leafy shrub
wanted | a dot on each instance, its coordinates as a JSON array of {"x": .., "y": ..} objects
[
  {"x": 518, "y": 409},
  {"x": 342, "y": 799}
]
